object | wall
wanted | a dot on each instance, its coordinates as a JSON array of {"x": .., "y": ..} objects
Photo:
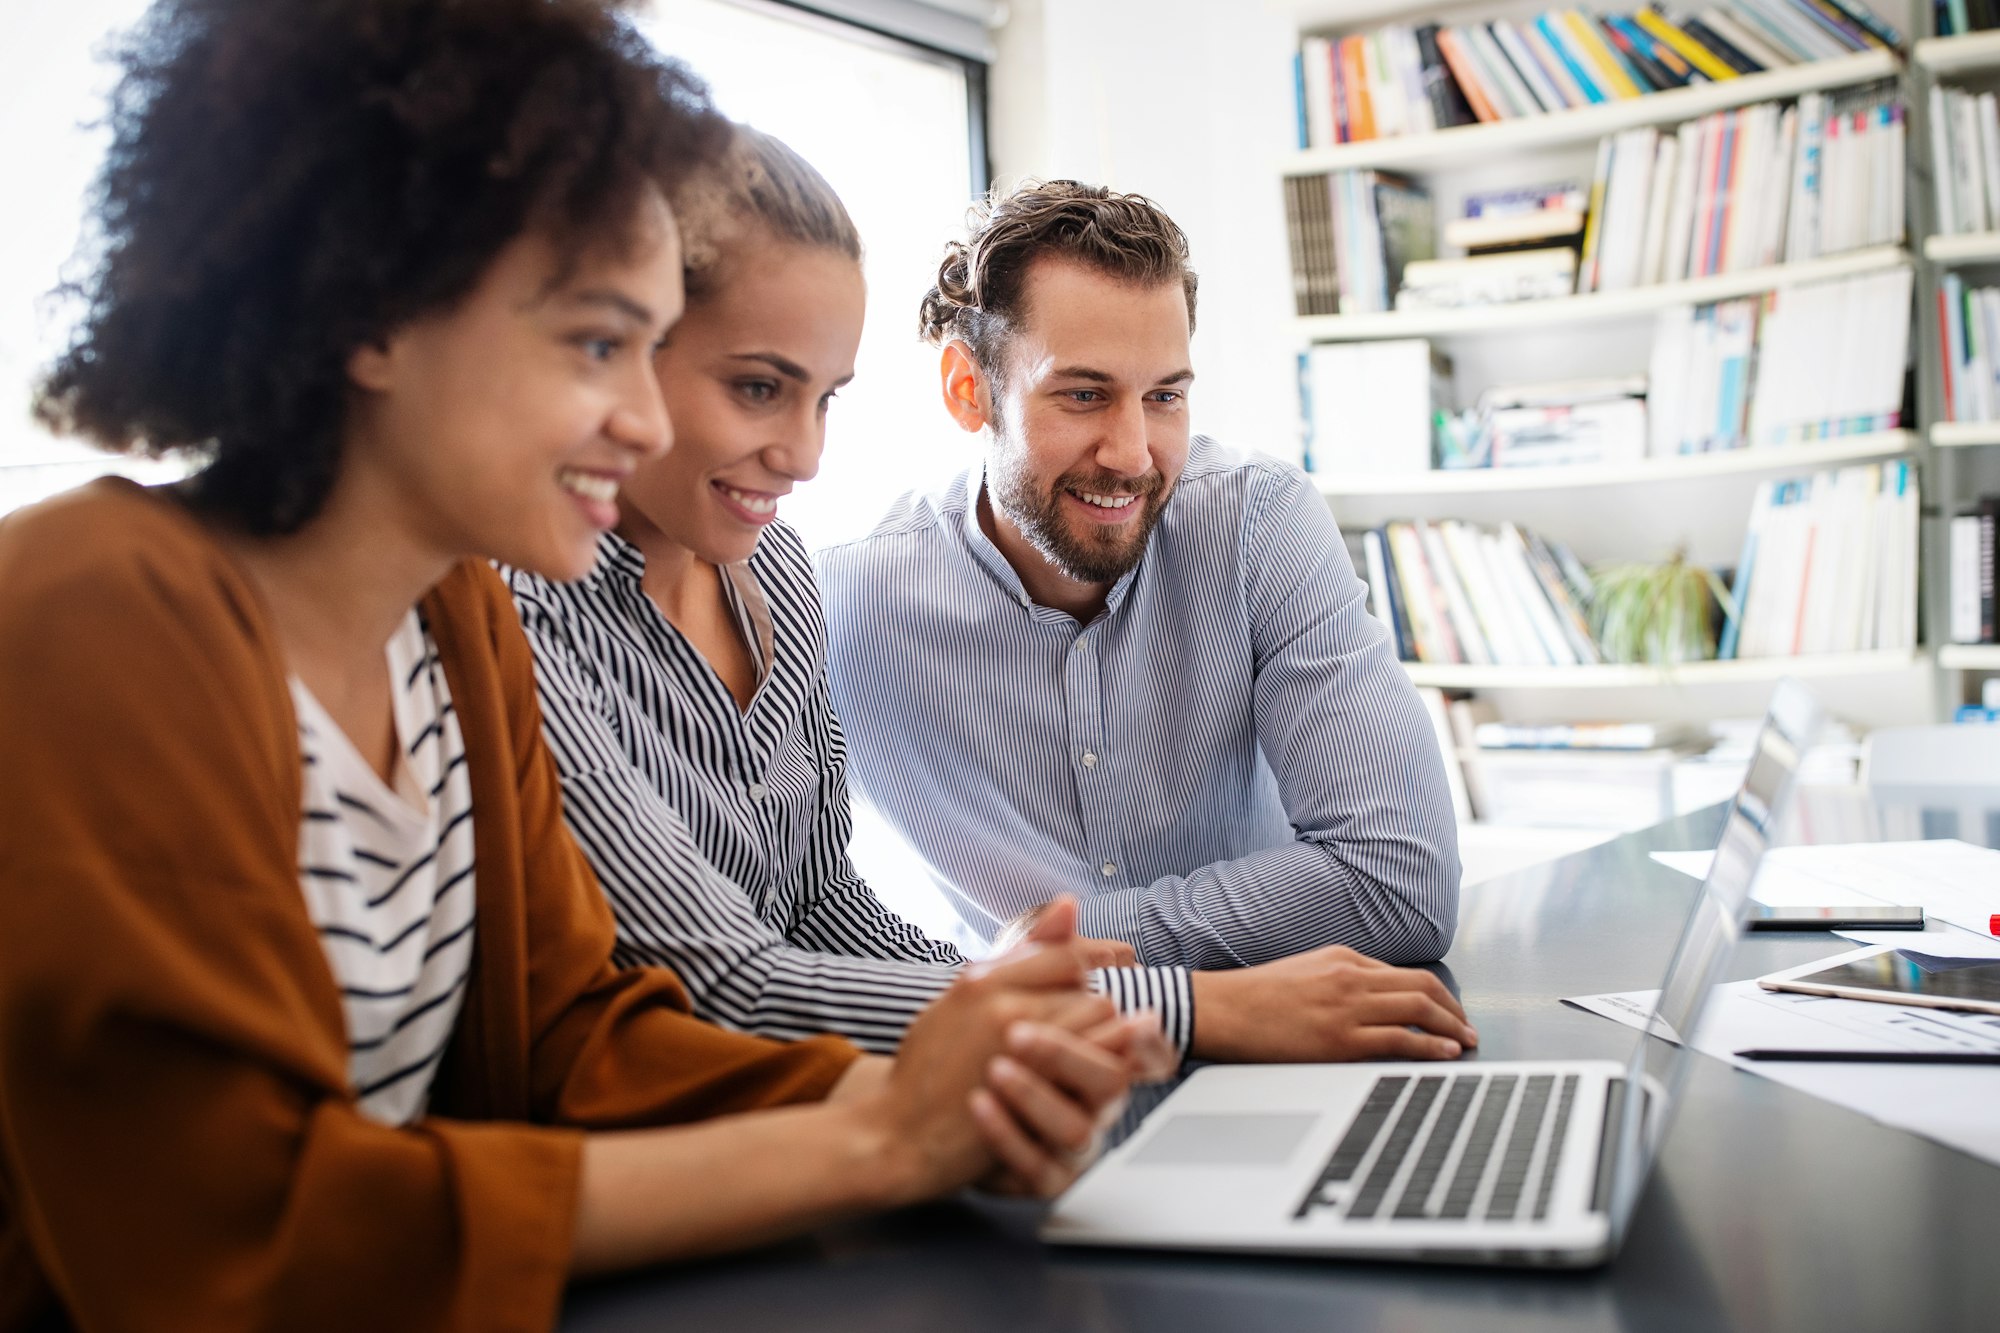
[{"x": 1188, "y": 102}]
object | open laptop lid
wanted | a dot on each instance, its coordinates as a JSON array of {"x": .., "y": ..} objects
[{"x": 1714, "y": 924}]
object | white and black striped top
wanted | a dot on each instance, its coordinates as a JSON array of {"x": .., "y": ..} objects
[
  {"x": 388, "y": 881},
  {"x": 720, "y": 834},
  {"x": 1227, "y": 766}
]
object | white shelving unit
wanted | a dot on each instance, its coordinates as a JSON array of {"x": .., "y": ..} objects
[
  {"x": 1970, "y": 53},
  {"x": 1977, "y": 248},
  {"x": 1969, "y": 657},
  {"x": 1751, "y": 669},
  {"x": 1595, "y": 307},
  {"x": 1805, "y": 456},
  {"x": 1469, "y": 144},
  {"x": 1963, "y": 434}
]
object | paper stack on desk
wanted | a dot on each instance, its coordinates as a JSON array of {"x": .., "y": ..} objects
[{"x": 1957, "y": 885}]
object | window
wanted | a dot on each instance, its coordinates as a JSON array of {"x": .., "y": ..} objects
[
  {"x": 52, "y": 90},
  {"x": 890, "y": 127},
  {"x": 890, "y": 124}
]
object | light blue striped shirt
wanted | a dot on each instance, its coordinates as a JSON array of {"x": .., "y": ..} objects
[{"x": 1227, "y": 766}]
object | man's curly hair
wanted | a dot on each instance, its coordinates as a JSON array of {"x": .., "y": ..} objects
[
  {"x": 290, "y": 181},
  {"x": 978, "y": 294}
]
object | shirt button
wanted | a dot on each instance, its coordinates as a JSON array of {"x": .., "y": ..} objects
[
  {"x": 758, "y": 791},
  {"x": 1108, "y": 869},
  {"x": 1089, "y": 759}
]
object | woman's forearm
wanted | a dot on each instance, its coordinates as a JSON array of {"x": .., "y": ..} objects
[{"x": 648, "y": 1196}]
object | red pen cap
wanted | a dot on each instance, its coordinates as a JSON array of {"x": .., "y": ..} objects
[{"x": 1993, "y": 925}]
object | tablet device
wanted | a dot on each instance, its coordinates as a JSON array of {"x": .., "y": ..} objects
[
  {"x": 1900, "y": 976},
  {"x": 1875, "y": 916}
]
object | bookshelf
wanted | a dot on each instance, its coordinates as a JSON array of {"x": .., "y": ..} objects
[
  {"x": 1969, "y": 657},
  {"x": 1597, "y": 307},
  {"x": 1744, "y": 670},
  {"x": 1963, "y": 434},
  {"x": 1971, "y": 53},
  {"x": 1472, "y": 145},
  {"x": 1950, "y": 251},
  {"x": 1807, "y": 456},
  {"x": 1616, "y": 511}
]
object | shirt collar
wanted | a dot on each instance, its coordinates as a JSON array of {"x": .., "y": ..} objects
[
  {"x": 618, "y": 559},
  {"x": 996, "y": 564}
]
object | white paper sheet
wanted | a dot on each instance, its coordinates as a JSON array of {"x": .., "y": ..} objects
[
  {"x": 1958, "y": 1106},
  {"x": 1956, "y": 883}
]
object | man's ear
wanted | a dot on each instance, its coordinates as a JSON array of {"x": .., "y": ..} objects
[{"x": 964, "y": 386}]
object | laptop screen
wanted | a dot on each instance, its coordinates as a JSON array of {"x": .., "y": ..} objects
[{"x": 1714, "y": 923}]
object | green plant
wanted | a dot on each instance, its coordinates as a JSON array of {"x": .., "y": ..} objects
[{"x": 1657, "y": 614}]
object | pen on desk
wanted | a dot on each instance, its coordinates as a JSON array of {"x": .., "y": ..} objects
[{"x": 1878, "y": 1057}]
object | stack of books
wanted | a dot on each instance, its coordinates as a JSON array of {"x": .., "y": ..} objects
[
  {"x": 1744, "y": 189},
  {"x": 1452, "y": 592},
  {"x": 1412, "y": 79},
  {"x": 1807, "y": 362},
  {"x": 1965, "y": 160},
  {"x": 1353, "y": 236},
  {"x": 1566, "y": 424},
  {"x": 1973, "y": 556},
  {"x": 1829, "y": 565},
  {"x": 1969, "y": 325},
  {"x": 1520, "y": 245}
]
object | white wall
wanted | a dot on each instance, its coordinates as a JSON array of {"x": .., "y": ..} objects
[{"x": 1188, "y": 102}]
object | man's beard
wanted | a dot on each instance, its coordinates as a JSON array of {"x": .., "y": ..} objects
[{"x": 1101, "y": 554}]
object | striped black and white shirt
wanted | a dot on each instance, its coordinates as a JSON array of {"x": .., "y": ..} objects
[
  {"x": 720, "y": 834},
  {"x": 1227, "y": 766},
  {"x": 387, "y": 875}
]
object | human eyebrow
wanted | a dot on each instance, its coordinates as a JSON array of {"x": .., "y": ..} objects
[
  {"x": 1087, "y": 373},
  {"x": 785, "y": 366},
  {"x": 1178, "y": 377},
  {"x": 612, "y": 300}
]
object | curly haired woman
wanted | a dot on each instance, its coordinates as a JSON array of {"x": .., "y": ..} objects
[{"x": 308, "y": 1018}]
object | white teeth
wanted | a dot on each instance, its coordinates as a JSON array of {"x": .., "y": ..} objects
[
  {"x": 756, "y": 504},
  {"x": 589, "y": 485},
  {"x": 1105, "y": 501}
]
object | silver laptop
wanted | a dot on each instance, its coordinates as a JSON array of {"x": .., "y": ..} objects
[{"x": 1525, "y": 1162}]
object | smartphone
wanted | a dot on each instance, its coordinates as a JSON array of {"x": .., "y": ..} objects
[{"x": 1763, "y": 916}]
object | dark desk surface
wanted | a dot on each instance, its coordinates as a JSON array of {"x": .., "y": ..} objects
[{"x": 1770, "y": 1209}]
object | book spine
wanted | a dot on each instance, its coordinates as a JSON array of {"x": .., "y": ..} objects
[
  {"x": 1564, "y": 45},
  {"x": 1354, "y": 84},
  {"x": 1463, "y": 70},
  {"x": 1835, "y": 26},
  {"x": 1663, "y": 53},
  {"x": 1500, "y": 75},
  {"x": 1720, "y": 50},
  {"x": 1605, "y": 66},
  {"x": 1691, "y": 50},
  {"x": 1593, "y": 227},
  {"x": 1333, "y": 88},
  {"x": 1989, "y": 530},
  {"x": 1516, "y": 51},
  {"x": 1871, "y": 23},
  {"x": 1554, "y": 66},
  {"x": 1299, "y": 99},
  {"x": 1752, "y": 47},
  {"x": 1638, "y": 53},
  {"x": 1644, "y": 79},
  {"x": 1449, "y": 106}
]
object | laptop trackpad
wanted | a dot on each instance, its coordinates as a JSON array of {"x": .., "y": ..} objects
[{"x": 1225, "y": 1140}]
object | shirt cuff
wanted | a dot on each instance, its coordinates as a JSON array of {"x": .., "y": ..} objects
[{"x": 1165, "y": 991}]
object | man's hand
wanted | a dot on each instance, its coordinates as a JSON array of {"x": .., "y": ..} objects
[
  {"x": 1034, "y": 926},
  {"x": 1328, "y": 1004}
]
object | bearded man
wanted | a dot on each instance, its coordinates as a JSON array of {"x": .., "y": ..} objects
[{"x": 1120, "y": 661}]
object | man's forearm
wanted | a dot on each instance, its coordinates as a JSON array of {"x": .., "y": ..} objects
[{"x": 1282, "y": 901}]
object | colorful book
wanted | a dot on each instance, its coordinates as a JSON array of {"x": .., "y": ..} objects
[
  {"x": 1604, "y": 66},
  {"x": 1689, "y": 49},
  {"x": 1563, "y": 43},
  {"x": 1459, "y": 61}
]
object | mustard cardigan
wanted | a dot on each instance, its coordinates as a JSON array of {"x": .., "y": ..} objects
[{"x": 179, "y": 1146}]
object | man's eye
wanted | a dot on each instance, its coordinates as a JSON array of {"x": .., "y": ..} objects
[
  {"x": 1086, "y": 395},
  {"x": 1168, "y": 396}
]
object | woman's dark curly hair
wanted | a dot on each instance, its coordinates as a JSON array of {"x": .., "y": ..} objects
[
  {"x": 978, "y": 294},
  {"x": 290, "y": 181}
]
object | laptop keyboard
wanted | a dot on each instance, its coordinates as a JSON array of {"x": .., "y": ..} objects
[{"x": 1429, "y": 1143}]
